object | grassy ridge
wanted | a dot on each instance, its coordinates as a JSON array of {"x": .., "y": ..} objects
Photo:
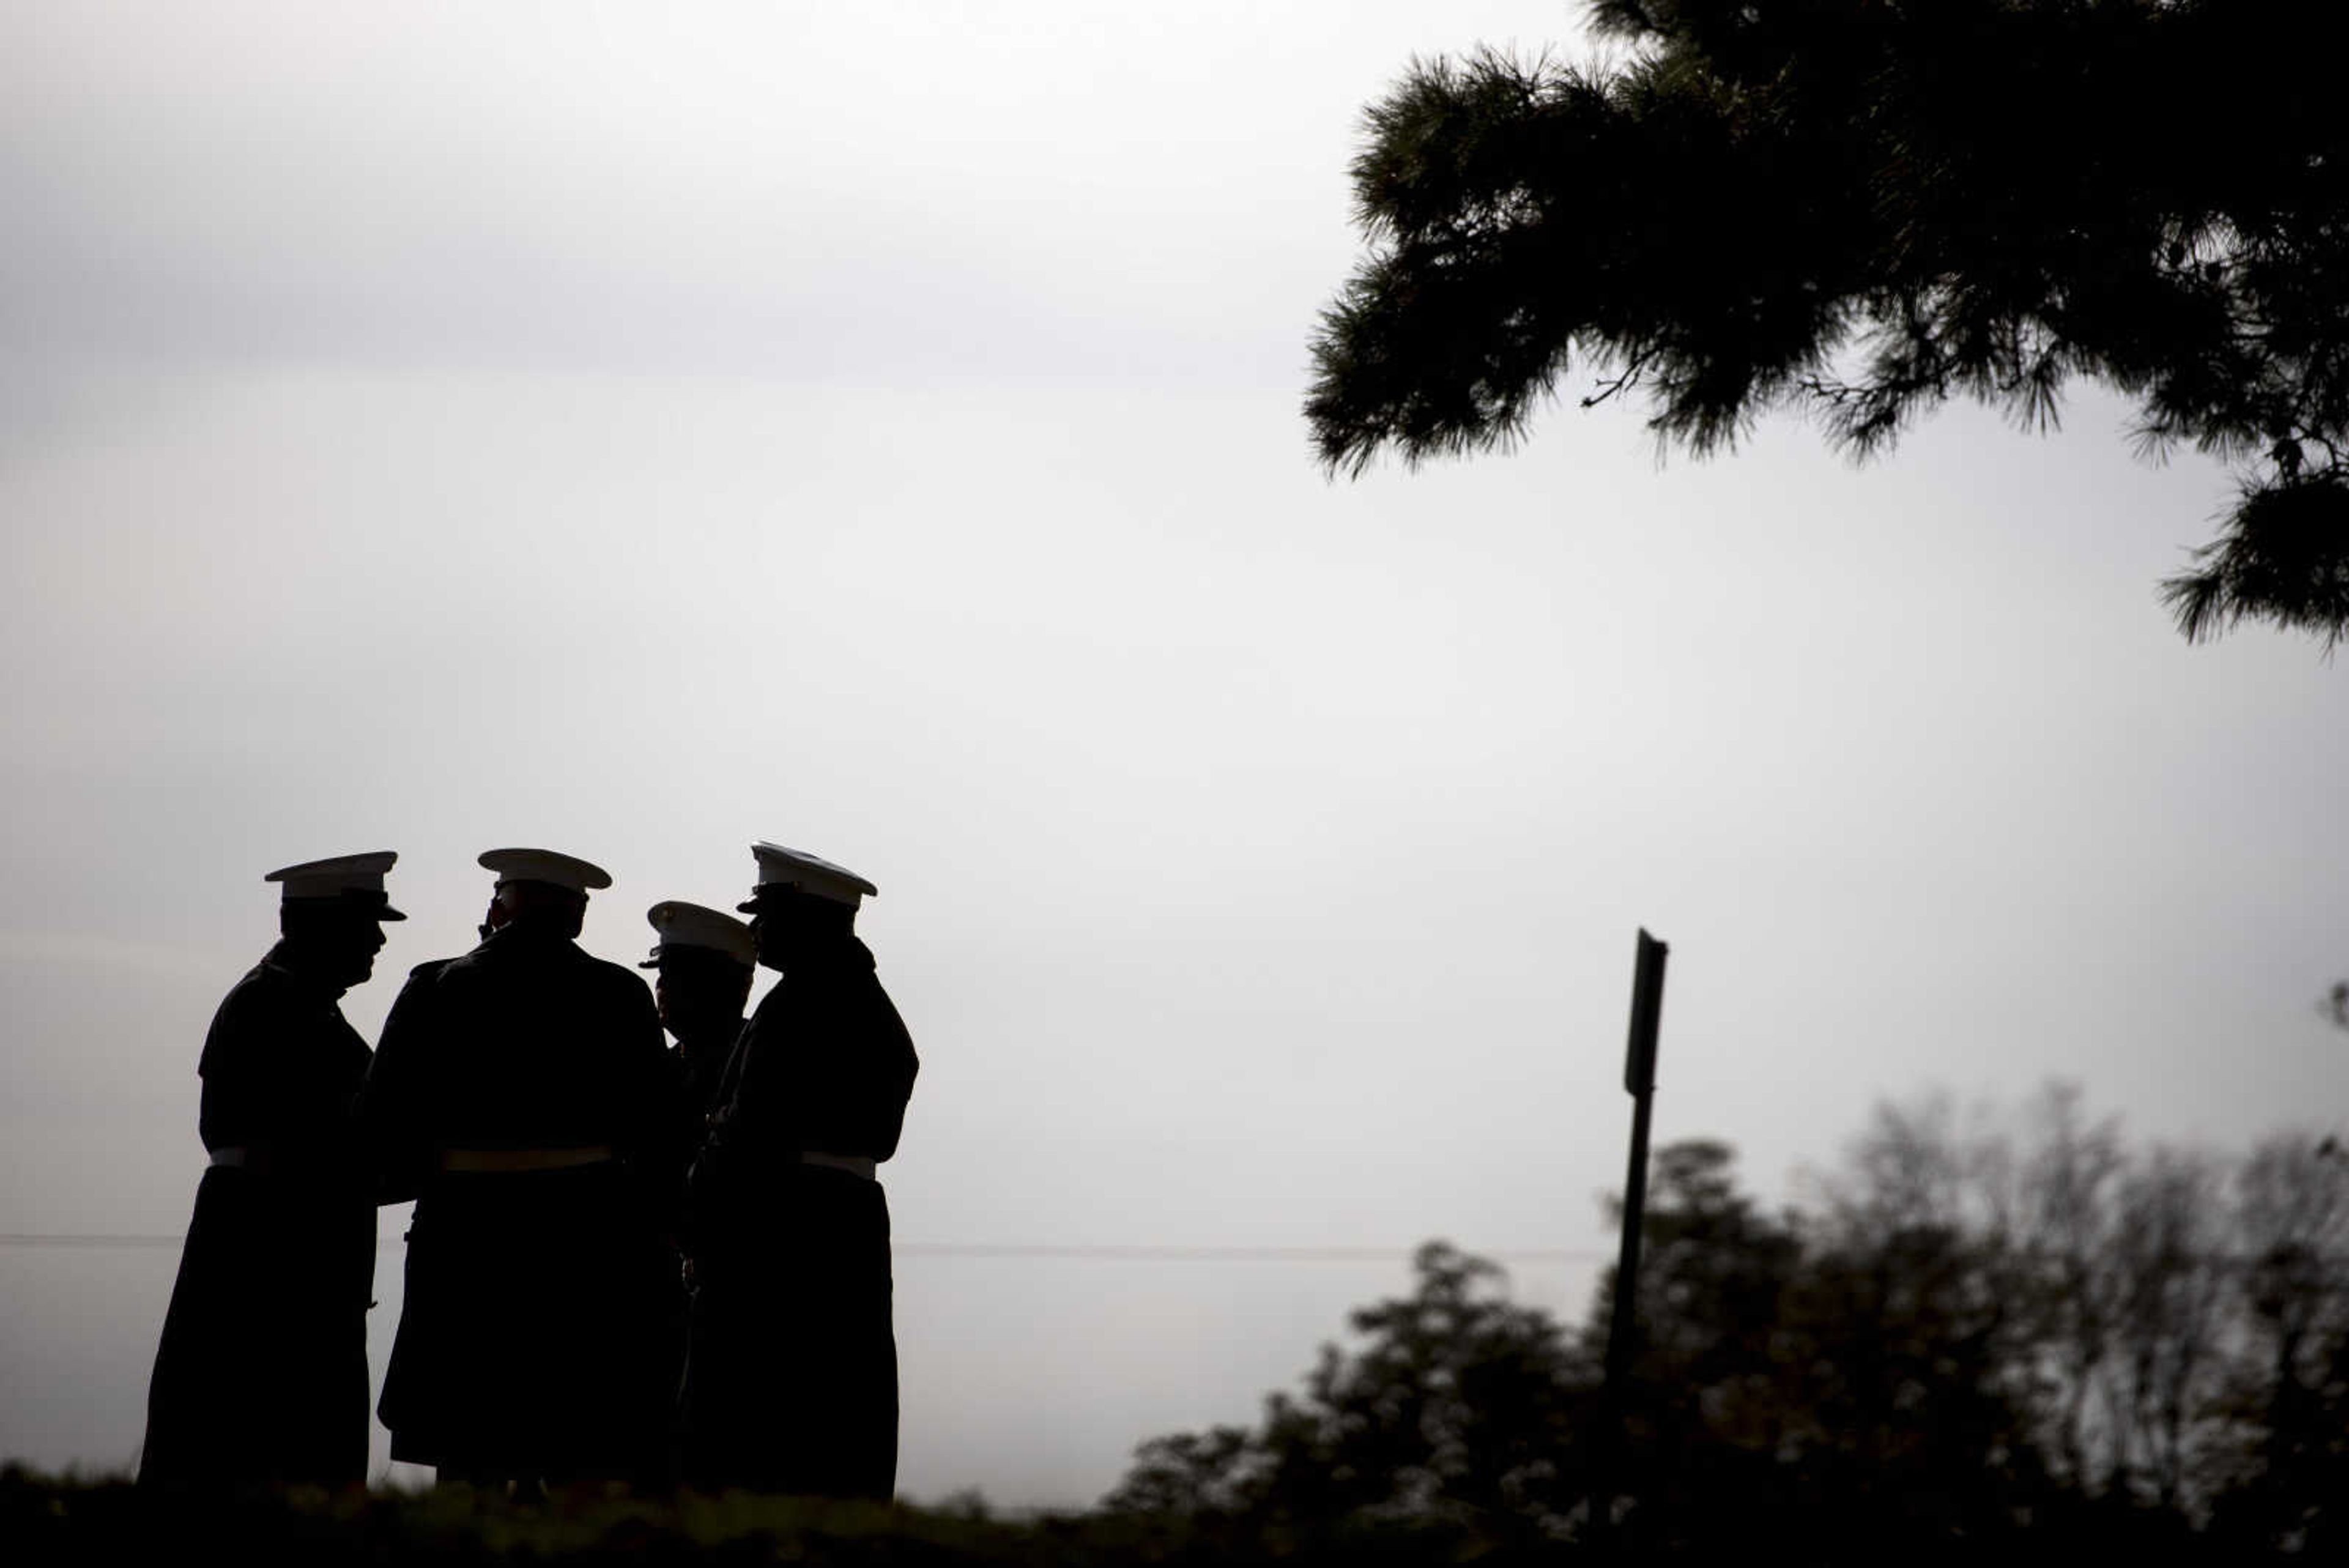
[{"x": 47, "y": 1520}]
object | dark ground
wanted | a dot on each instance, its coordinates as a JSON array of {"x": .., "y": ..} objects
[{"x": 46, "y": 1521}]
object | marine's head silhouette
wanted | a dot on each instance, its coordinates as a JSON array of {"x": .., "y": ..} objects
[
  {"x": 705, "y": 963},
  {"x": 802, "y": 902},
  {"x": 330, "y": 914},
  {"x": 541, "y": 892},
  {"x": 538, "y": 906},
  {"x": 785, "y": 922},
  {"x": 337, "y": 945}
]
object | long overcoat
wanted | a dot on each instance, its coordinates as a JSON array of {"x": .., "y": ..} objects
[
  {"x": 521, "y": 1091},
  {"x": 695, "y": 1068},
  {"x": 261, "y": 1376},
  {"x": 792, "y": 1372}
]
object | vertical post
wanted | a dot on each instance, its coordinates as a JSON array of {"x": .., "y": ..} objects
[{"x": 1639, "y": 1082}]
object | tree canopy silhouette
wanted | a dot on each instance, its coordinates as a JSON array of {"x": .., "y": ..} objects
[
  {"x": 2028, "y": 1330},
  {"x": 1459, "y": 1404},
  {"x": 1859, "y": 209}
]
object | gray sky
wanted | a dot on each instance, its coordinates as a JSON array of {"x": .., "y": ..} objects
[{"x": 640, "y": 429}]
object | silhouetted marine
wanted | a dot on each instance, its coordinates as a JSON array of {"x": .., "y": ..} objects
[
  {"x": 517, "y": 1089},
  {"x": 704, "y": 961},
  {"x": 791, "y": 1376},
  {"x": 261, "y": 1376}
]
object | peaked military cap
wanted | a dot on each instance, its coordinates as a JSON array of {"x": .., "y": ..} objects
[
  {"x": 811, "y": 874},
  {"x": 353, "y": 880},
  {"x": 684, "y": 924},
  {"x": 545, "y": 865}
]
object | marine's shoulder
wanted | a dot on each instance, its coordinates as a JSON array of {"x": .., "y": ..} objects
[
  {"x": 838, "y": 987},
  {"x": 267, "y": 1003},
  {"x": 848, "y": 970},
  {"x": 267, "y": 987},
  {"x": 606, "y": 973},
  {"x": 428, "y": 975},
  {"x": 262, "y": 979}
]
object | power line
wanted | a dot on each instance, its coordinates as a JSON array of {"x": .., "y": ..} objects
[
  {"x": 1225, "y": 1254},
  {"x": 975, "y": 1250}
]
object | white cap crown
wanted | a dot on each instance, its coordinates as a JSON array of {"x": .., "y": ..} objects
[
  {"x": 545, "y": 865},
  {"x": 683, "y": 924},
  {"x": 811, "y": 874},
  {"x": 355, "y": 880}
]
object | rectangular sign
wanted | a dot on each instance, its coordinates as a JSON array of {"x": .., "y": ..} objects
[{"x": 1647, "y": 1014}]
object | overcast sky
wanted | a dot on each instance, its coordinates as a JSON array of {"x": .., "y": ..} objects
[{"x": 639, "y": 430}]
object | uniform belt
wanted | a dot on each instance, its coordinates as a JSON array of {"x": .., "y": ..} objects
[
  {"x": 855, "y": 1164},
  {"x": 520, "y": 1159},
  {"x": 249, "y": 1156}
]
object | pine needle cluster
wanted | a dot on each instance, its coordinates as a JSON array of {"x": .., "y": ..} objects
[{"x": 1857, "y": 210}]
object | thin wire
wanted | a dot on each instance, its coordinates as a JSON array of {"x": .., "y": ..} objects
[
  {"x": 1225, "y": 1254},
  {"x": 1045, "y": 1251},
  {"x": 979, "y": 1250}
]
